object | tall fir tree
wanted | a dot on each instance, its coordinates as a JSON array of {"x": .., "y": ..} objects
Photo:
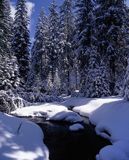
[
  {"x": 8, "y": 64},
  {"x": 39, "y": 55},
  {"x": 66, "y": 56},
  {"x": 110, "y": 26},
  {"x": 97, "y": 84},
  {"x": 83, "y": 37},
  {"x": 21, "y": 41},
  {"x": 53, "y": 45}
]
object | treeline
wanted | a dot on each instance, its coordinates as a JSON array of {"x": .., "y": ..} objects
[{"x": 80, "y": 46}]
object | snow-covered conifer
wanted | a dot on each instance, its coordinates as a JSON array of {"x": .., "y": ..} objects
[
  {"x": 39, "y": 55},
  {"x": 21, "y": 39},
  {"x": 84, "y": 36},
  {"x": 110, "y": 26},
  {"x": 66, "y": 56},
  {"x": 49, "y": 85},
  {"x": 53, "y": 45},
  {"x": 8, "y": 65},
  {"x": 56, "y": 84},
  {"x": 97, "y": 78}
]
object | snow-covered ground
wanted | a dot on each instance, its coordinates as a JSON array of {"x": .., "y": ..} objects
[
  {"x": 20, "y": 140},
  {"x": 109, "y": 115}
]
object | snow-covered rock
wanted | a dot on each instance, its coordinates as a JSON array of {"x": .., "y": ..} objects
[
  {"x": 67, "y": 116},
  {"x": 76, "y": 127}
]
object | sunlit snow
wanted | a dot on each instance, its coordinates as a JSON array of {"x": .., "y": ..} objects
[{"x": 20, "y": 140}]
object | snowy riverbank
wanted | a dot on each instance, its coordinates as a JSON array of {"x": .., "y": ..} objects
[
  {"x": 109, "y": 115},
  {"x": 21, "y": 139},
  {"x": 111, "y": 118}
]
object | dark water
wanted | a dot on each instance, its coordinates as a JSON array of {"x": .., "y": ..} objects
[{"x": 66, "y": 145}]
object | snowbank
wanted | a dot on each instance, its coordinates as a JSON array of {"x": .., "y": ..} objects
[
  {"x": 53, "y": 112},
  {"x": 86, "y": 106},
  {"x": 40, "y": 110},
  {"x": 20, "y": 140},
  {"x": 111, "y": 118}
]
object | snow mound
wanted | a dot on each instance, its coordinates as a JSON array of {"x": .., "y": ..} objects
[
  {"x": 118, "y": 151},
  {"x": 67, "y": 116},
  {"x": 76, "y": 127},
  {"x": 20, "y": 139}
]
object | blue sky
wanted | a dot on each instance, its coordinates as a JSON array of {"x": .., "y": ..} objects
[{"x": 34, "y": 7}]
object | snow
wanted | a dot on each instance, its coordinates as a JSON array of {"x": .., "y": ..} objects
[
  {"x": 117, "y": 151},
  {"x": 67, "y": 116},
  {"x": 85, "y": 106},
  {"x": 55, "y": 112},
  {"x": 109, "y": 115},
  {"x": 76, "y": 127},
  {"x": 40, "y": 110},
  {"x": 111, "y": 119},
  {"x": 20, "y": 140}
]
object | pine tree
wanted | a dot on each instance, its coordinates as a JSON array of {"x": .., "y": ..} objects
[
  {"x": 110, "y": 17},
  {"x": 21, "y": 40},
  {"x": 56, "y": 84},
  {"x": 97, "y": 79},
  {"x": 8, "y": 65},
  {"x": 84, "y": 9},
  {"x": 53, "y": 45},
  {"x": 66, "y": 44},
  {"x": 39, "y": 55},
  {"x": 9, "y": 21},
  {"x": 49, "y": 86}
]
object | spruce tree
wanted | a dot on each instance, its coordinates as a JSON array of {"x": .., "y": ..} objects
[
  {"x": 84, "y": 9},
  {"x": 110, "y": 21},
  {"x": 8, "y": 64},
  {"x": 53, "y": 45},
  {"x": 66, "y": 45},
  {"x": 49, "y": 85},
  {"x": 21, "y": 39},
  {"x": 39, "y": 55},
  {"x": 56, "y": 84},
  {"x": 97, "y": 84}
]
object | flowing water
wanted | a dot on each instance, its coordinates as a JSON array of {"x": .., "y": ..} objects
[{"x": 64, "y": 144}]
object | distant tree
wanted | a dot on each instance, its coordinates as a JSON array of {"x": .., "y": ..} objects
[
  {"x": 21, "y": 41},
  {"x": 49, "y": 85},
  {"x": 56, "y": 84},
  {"x": 39, "y": 55}
]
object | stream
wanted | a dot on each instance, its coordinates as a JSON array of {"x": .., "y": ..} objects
[{"x": 64, "y": 144}]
